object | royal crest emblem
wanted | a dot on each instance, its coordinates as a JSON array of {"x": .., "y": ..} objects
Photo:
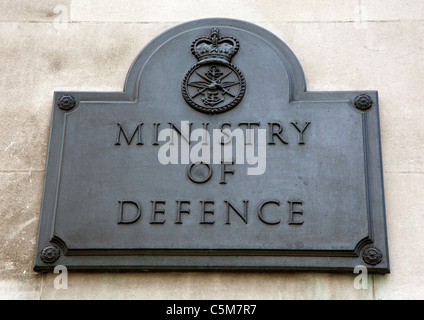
[{"x": 214, "y": 84}]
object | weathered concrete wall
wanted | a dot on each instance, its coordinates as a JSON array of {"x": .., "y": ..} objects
[{"x": 89, "y": 45}]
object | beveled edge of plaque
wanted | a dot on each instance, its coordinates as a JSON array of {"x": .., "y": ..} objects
[{"x": 52, "y": 250}]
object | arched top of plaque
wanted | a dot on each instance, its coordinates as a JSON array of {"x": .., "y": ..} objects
[{"x": 215, "y": 62}]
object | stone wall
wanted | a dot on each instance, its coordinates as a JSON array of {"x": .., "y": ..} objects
[{"x": 89, "y": 45}]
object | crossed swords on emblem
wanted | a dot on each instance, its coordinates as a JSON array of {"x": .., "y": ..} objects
[{"x": 213, "y": 82}]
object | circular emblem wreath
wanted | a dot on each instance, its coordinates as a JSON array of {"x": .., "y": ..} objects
[{"x": 213, "y": 87}]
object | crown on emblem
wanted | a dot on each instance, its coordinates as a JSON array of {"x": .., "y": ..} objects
[{"x": 215, "y": 47}]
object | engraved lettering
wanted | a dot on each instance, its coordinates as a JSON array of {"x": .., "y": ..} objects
[
  {"x": 273, "y": 133},
  {"x": 301, "y": 131},
  {"x": 122, "y": 204},
  {"x": 228, "y": 145},
  {"x": 242, "y": 216},
  {"x": 293, "y": 211},
  {"x": 248, "y": 147},
  {"x": 184, "y": 131},
  {"x": 249, "y": 130},
  {"x": 225, "y": 132},
  {"x": 180, "y": 210},
  {"x": 155, "y": 134},
  {"x": 261, "y": 215},
  {"x": 129, "y": 140},
  {"x": 156, "y": 210},
  {"x": 224, "y": 171},
  {"x": 130, "y": 211},
  {"x": 205, "y": 211},
  {"x": 199, "y": 175},
  {"x": 206, "y": 135}
]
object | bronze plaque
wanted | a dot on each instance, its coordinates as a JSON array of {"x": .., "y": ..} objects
[{"x": 214, "y": 157}]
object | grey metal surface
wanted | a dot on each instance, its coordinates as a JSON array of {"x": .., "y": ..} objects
[{"x": 109, "y": 204}]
